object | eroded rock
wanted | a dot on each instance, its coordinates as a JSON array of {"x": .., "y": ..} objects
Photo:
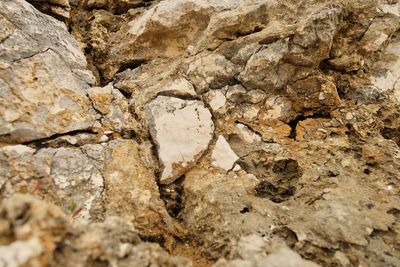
[
  {"x": 36, "y": 233},
  {"x": 182, "y": 131},
  {"x": 30, "y": 231},
  {"x": 132, "y": 191},
  {"x": 67, "y": 177},
  {"x": 40, "y": 58},
  {"x": 306, "y": 94}
]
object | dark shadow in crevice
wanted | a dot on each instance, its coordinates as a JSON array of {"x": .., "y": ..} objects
[
  {"x": 153, "y": 239},
  {"x": 131, "y": 65},
  {"x": 125, "y": 93},
  {"x": 172, "y": 195},
  {"x": 255, "y": 30},
  {"x": 42, "y": 143},
  {"x": 293, "y": 123}
]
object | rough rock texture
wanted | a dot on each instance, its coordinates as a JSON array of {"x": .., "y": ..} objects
[
  {"x": 34, "y": 233},
  {"x": 58, "y": 8},
  {"x": 229, "y": 132},
  {"x": 43, "y": 76}
]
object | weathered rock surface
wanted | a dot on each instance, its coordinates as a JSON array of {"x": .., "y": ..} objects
[
  {"x": 65, "y": 176},
  {"x": 43, "y": 76},
  {"x": 89, "y": 183},
  {"x": 34, "y": 233},
  {"x": 234, "y": 132},
  {"x": 182, "y": 131},
  {"x": 114, "y": 110},
  {"x": 253, "y": 252},
  {"x": 132, "y": 191},
  {"x": 30, "y": 231},
  {"x": 179, "y": 87}
]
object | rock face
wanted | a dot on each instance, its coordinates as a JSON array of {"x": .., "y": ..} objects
[
  {"x": 33, "y": 230},
  {"x": 40, "y": 58},
  {"x": 199, "y": 132}
]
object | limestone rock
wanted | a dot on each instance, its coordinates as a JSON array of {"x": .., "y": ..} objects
[
  {"x": 246, "y": 134},
  {"x": 35, "y": 63},
  {"x": 335, "y": 207},
  {"x": 223, "y": 157},
  {"x": 34, "y": 233},
  {"x": 278, "y": 107},
  {"x": 386, "y": 73},
  {"x": 132, "y": 191},
  {"x": 260, "y": 71},
  {"x": 114, "y": 108},
  {"x": 232, "y": 215},
  {"x": 136, "y": 41},
  {"x": 252, "y": 250},
  {"x": 226, "y": 131},
  {"x": 179, "y": 87},
  {"x": 77, "y": 177},
  {"x": 182, "y": 131},
  {"x": 114, "y": 242},
  {"x": 211, "y": 72},
  {"x": 30, "y": 231},
  {"x": 21, "y": 252},
  {"x": 209, "y": 21},
  {"x": 216, "y": 99},
  {"x": 286, "y": 257},
  {"x": 68, "y": 176}
]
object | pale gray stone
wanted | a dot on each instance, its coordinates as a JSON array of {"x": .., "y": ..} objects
[{"x": 182, "y": 131}]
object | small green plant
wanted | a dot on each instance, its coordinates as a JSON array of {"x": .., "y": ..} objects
[
  {"x": 24, "y": 191},
  {"x": 72, "y": 206}
]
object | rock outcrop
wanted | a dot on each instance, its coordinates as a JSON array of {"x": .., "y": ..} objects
[
  {"x": 207, "y": 132},
  {"x": 43, "y": 76}
]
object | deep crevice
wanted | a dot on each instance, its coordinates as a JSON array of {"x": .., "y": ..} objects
[
  {"x": 41, "y": 143},
  {"x": 172, "y": 195},
  {"x": 122, "y": 8},
  {"x": 255, "y": 30},
  {"x": 131, "y": 65},
  {"x": 293, "y": 123},
  {"x": 249, "y": 128},
  {"x": 391, "y": 133},
  {"x": 125, "y": 93},
  {"x": 153, "y": 239}
]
